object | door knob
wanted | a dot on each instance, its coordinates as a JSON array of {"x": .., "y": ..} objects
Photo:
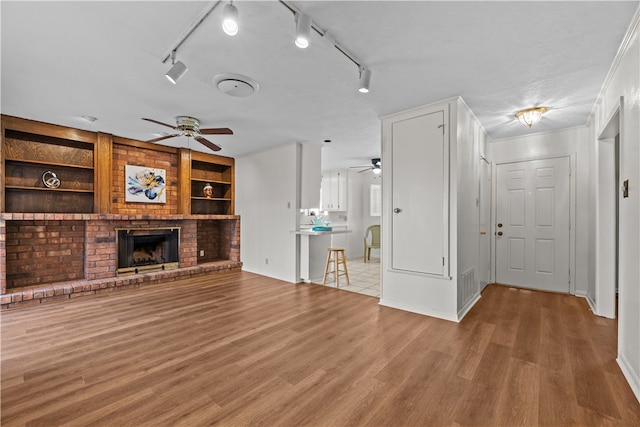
[
  {"x": 499, "y": 225},
  {"x": 397, "y": 210},
  {"x": 499, "y": 233}
]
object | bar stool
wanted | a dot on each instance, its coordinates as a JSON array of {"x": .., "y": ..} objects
[{"x": 337, "y": 259}]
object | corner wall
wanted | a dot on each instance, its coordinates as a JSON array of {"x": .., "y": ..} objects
[{"x": 266, "y": 200}]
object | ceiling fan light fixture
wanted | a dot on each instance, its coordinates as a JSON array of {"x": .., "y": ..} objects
[
  {"x": 303, "y": 30},
  {"x": 177, "y": 70},
  {"x": 530, "y": 116},
  {"x": 365, "y": 80},
  {"x": 230, "y": 19}
]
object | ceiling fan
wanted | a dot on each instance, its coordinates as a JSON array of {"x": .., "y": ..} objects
[
  {"x": 375, "y": 166},
  {"x": 190, "y": 127}
]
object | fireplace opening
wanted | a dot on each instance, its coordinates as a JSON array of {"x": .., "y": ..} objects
[{"x": 147, "y": 249}]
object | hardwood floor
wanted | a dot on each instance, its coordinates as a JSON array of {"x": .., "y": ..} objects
[{"x": 235, "y": 348}]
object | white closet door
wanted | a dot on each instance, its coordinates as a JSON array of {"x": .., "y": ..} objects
[{"x": 418, "y": 195}]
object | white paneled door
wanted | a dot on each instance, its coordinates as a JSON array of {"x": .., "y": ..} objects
[
  {"x": 419, "y": 197},
  {"x": 532, "y": 224}
]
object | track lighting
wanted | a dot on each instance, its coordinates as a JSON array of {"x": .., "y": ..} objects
[
  {"x": 365, "y": 79},
  {"x": 303, "y": 30},
  {"x": 230, "y": 19},
  {"x": 177, "y": 70}
]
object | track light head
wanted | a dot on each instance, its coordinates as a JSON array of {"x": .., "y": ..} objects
[
  {"x": 303, "y": 30},
  {"x": 177, "y": 70},
  {"x": 230, "y": 20},
  {"x": 365, "y": 80}
]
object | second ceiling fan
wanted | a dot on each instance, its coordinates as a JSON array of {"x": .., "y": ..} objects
[
  {"x": 375, "y": 166},
  {"x": 190, "y": 127}
]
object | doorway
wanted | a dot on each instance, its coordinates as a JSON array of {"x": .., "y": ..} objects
[
  {"x": 607, "y": 214},
  {"x": 532, "y": 227}
]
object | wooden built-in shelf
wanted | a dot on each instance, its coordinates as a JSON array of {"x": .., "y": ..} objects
[
  {"x": 199, "y": 169},
  {"x": 69, "y": 190},
  {"x": 29, "y": 150}
]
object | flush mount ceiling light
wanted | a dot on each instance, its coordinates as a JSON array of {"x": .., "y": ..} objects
[
  {"x": 230, "y": 19},
  {"x": 530, "y": 116},
  {"x": 177, "y": 70},
  {"x": 365, "y": 79},
  {"x": 235, "y": 84},
  {"x": 303, "y": 30}
]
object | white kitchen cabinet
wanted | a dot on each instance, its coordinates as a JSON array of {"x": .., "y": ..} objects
[{"x": 334, "y": 191}]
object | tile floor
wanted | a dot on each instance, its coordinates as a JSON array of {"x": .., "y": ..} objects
[{"x": 364, "y": 277}]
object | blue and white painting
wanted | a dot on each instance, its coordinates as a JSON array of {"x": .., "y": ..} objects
[{"x": 146, "y": 185}]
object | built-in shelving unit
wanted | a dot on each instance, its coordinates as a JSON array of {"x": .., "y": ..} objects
[
  {"x": 29, "y": 151},
  {"x": 208, "y": 170}
]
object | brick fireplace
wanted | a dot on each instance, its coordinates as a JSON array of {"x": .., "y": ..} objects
[
  {"x": 45, "y": 257},
  {"x": 61, "y": 243}
]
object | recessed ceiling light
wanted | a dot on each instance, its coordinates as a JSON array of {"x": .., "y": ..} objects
[
  {"x": 90, "y": 119},
  {"x": 235, "y": 84},
  {"x": 327, "y": 141}
]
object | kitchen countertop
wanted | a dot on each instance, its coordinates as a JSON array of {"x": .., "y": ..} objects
[{"x": 308, "y": 232}]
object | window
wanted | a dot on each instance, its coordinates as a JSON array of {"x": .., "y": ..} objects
[{"x": 375, "y": 200}]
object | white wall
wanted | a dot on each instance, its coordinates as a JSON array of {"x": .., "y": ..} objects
[
  {"x": 451, "y": 296},
  {"x": 624, "y": 81},
  {"x": 572, "y": 142},
  {"x": 267, "y": 186},
  {"x": 468, "y": 226}
]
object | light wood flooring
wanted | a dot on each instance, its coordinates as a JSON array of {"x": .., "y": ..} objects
[{"x": 236, "y": 348}]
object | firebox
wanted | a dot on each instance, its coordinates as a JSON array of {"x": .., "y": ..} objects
[{"x": 142, "y": 250}]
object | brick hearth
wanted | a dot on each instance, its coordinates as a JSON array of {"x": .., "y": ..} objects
[{"x": 46, "y": 257}]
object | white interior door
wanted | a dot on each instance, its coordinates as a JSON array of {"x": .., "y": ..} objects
[
  {"x": 418, "y": 195},
  {"x": 532, "y": 224}
]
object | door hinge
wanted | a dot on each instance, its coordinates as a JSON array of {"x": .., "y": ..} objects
[
  {"x": 443, "y": 261},
  {"x": 569, "y": 224},
  {"x": 569, "y": 169}
]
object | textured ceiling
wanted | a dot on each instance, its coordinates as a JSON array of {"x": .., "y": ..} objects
[{"x": 62, "y": 60}]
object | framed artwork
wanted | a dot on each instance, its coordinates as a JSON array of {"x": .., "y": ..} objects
[{"x": 145, "y": 185}]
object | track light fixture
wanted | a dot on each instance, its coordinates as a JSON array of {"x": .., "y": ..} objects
[
  {"x": 230, "y": 19},
  {"x": 365, "y": 79},
  {"x": 303, "y": 30},
  {"x": 177, "y": 70}
]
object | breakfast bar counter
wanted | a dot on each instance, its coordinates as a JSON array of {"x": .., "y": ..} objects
[{"x": 313, "y": 252}]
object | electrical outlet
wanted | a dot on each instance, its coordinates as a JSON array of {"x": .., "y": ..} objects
[{"x": 202, "y": 252}]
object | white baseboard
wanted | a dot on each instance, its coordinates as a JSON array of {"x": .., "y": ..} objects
[
  {"x": 463, "y": 312},
  {"x": 630, "y": 375},
  {"x": 412, "y": 309}
]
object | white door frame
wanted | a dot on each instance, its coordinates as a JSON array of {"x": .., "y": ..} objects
[
  {"x": 572, "y": 213},
  {"x": 606, "y": 240}
]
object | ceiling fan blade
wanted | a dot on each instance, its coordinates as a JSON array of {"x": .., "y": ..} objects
[
  {"x": 162, "y": 138},
  {"x": 207, "y": 143},
  {"x": 160, "y": 123},
  {"x": 364, "y": 170},
  {"x": 216, "y": 131}
]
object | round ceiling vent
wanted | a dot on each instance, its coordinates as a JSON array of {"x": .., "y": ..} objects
[{"x": 235, "y": 84}]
